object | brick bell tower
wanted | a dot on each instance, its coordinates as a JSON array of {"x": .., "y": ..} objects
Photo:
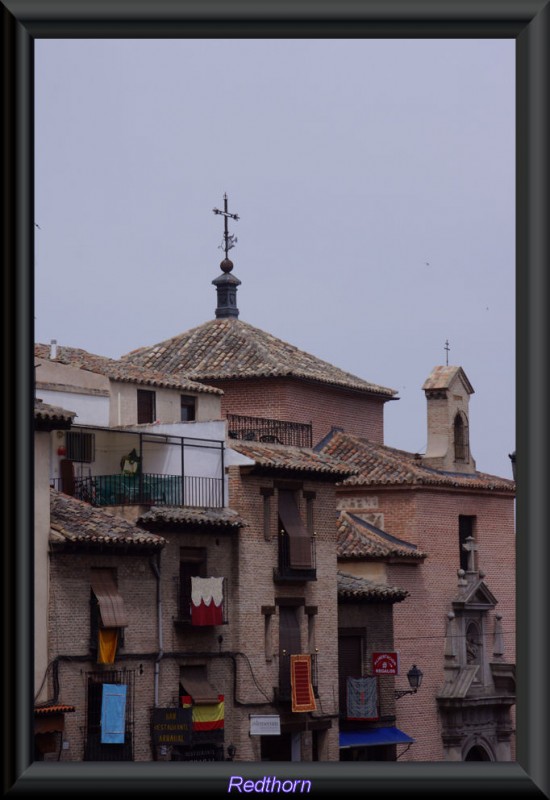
[{"x": 448, "y": 393}]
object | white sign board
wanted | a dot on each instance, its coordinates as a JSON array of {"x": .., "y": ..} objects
[{"x": 265, "y": 725}]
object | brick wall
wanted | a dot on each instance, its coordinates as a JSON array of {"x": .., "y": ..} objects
[
  {"x": 69, "y": 635},
  {"x": 257, "y": 557},
  {"x": 430, "y": 520},
  {"x": 299, "y": 401}
]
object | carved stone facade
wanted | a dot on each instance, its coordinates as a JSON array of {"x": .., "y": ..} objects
[{"x": 479, "y": 691}]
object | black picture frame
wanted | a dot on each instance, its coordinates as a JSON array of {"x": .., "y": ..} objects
[{"x": 525, "y": 21}]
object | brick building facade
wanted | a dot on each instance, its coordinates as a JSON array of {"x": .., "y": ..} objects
[
  {"x": 420, "y": 518},
  {"x": 444, "y": 506},
  {"x": 433, "y": 501}
]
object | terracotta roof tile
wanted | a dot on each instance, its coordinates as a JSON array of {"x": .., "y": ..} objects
[
  {"x": 45, "y": 411},
  {"x": 119, "y": 370},
  {"x": 53, "y": 708},
  {"x": 442, "y": 377},
  {"x": 229, "y": 348},
  {"x": 358, "y": 539},
  {"x": 297, "y": 459},
  {"x": 354, "y": 588},
  {"x": 196, "y": 517},
  {"x": 379, "y": 465},
  {"x": 75, "y": 522}
]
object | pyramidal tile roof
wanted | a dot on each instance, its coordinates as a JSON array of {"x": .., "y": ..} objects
[
  {"x": 118, "y": 370},
  {"x": 358, "y": 539},
  {"x": 228, "y": 348},
  {"x": 442, "y": 377},
  {"x": 379, "y": 465}
]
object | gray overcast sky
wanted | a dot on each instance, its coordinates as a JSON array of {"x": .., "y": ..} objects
[{"x": 374, "y": 180}]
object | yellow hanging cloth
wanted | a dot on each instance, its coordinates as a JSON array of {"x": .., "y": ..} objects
[{"x": 106, "y": 645}]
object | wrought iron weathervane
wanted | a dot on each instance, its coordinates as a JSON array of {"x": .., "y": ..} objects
[{"x": 229, "y": 240}]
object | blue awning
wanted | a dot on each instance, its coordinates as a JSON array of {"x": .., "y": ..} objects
[{"x": 372, "y": 736}]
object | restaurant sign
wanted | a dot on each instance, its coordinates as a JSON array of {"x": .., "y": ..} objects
[
  {"x": 172, "y": 726},
  {"x": 265, "y": 724},
  {"x": 385, "y": 663}
]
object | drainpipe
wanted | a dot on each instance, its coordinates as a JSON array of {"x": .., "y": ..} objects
[{"x": 156, "y": 569}]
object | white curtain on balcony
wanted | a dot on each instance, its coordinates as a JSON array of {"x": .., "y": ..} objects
[{"x": 206, "y": 601}]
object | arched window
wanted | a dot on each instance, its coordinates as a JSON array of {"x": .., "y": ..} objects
[
  {"x": 461, "y": 437},
  {"x": 477, "y": 753}
]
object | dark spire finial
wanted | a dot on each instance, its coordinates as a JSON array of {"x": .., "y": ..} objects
[
  {"x": 229, "y": 240},
  {"x": 226, "y": 284},
  {"x": 447, "y": 348}
]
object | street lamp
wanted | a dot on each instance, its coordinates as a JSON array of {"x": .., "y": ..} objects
[
  {"x": 414, "y": 676},
  {"x": 231, "y": 750}
]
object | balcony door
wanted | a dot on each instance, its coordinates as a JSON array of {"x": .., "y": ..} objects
[
  {"x": 289, "y": 644},
  {"x": 350, "y": 665}
]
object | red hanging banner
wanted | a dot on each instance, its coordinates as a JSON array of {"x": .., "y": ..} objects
[{"x": 300, "y": 682}]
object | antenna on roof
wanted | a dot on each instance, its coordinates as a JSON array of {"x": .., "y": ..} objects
[{"x": 447, "y": 348}]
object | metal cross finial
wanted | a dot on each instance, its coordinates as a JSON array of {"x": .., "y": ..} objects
[
  {"x": 229, "y": 240},
  {"x": 447, "y": 348}
]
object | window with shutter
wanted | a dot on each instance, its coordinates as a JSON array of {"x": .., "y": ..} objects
[
  {"x": 146, "y": 406},
  {"x": 296, "y": 550}
]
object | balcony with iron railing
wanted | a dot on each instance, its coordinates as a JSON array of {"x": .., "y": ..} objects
[
  {"x": 283, "y": 692},
  {"x": 146, "y": 489},
  {"x": 110, "y": 467},
  {"x": 285, "y": 572},
  {"x": 275, "y": 431},
  {"x": 184, "y": 617}
]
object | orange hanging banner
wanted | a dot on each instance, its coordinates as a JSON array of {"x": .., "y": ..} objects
[{"x": 107, "y": 641}]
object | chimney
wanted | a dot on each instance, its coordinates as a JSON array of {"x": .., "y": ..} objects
[{"x": 53, "y": 349}]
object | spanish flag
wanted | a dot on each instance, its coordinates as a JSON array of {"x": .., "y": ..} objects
[{"x": 208, "y": 717}]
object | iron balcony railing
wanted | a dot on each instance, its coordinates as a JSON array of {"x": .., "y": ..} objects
[
  {"x": 285, "y": 572},
  {"x": 148, "y": 489},
  {"x": 276, "y": 431},
  {"x": 283, "y": 691},
  {"x": 183, "y": 601}
]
